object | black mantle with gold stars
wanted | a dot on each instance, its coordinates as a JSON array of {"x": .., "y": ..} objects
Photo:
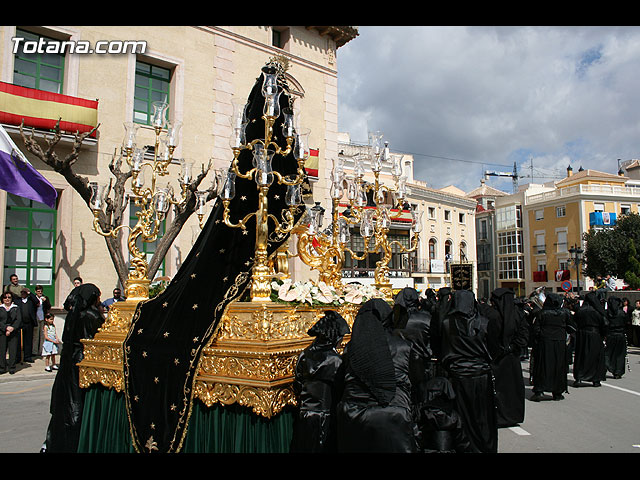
[{"x": 163, "y": 348}]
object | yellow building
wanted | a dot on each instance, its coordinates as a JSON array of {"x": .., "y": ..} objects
[
  {"x": 555, "y": 217},
  {"x": 46, "y": 72}
]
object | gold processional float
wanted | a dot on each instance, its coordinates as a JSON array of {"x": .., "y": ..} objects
[{"x": 251, "y": 359}]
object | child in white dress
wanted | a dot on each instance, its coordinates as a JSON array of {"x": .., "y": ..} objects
[{"x": 50, "y": 344}]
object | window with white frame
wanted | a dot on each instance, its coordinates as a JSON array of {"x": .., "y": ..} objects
[
  {"x": 562, "y": 241},
  {"x": 447, "y": 215},
  {"x": 432, "y": 212},
  {"x": 598, "y": 207},
  {"x": 539, "y": 247},
  {"x": 625, "y": 209},
  {"x": 509, "y": 242},
  {"x": 539, "y": 214},
  {"x": 561, "y": 211},
  {"x": 510, "y": 267}
]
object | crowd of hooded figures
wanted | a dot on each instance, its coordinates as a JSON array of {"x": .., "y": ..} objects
[{"x": 442, "y": 372}]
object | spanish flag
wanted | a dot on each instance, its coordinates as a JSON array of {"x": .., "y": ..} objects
[
  {"x": 311, "y": 164},
  {"x": 40, "y": 109}
]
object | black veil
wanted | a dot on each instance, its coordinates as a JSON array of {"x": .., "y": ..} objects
[{"x": 168, "y": 333}]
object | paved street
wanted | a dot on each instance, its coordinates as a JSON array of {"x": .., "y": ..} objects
[{"x": 589, "y": 420}]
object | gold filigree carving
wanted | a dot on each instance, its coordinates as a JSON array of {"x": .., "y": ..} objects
[{"x": 264, "y": 401}]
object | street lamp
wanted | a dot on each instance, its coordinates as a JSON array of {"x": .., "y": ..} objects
[{"x": 576, "y": 252}]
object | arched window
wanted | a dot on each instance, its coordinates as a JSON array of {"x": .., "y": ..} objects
[{"x": 432, "y": 248}]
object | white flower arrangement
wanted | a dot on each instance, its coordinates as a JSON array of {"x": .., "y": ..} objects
[{"x": 308, "y": 292}]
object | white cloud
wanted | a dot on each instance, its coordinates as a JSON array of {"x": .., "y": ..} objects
[{"x": 494, "y": 95}]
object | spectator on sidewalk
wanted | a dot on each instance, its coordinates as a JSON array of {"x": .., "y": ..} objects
[
  {"x": 10, "y": 319},
  {"x": 50, "y": 346},
  {"x": 28, "y": 305},
  {"x": 14, "y": 287},
  {"x": 117, "y": 297},
  {"x": 41, "y": 312}
]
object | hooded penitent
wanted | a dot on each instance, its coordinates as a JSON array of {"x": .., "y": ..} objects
[
  {"x": 588, "y": 362},
  {"x": 316, "y": 375},
  {"x": 616, "y": 349},
  {"x": 508, "y": 334},
  {"x": 374, "y": 413},
  {"x": 168, "y": 333},
  {"x": 466, "y": 359},
  {"x": 369, "y": 335},
  {"x": 67, "y": 398}
]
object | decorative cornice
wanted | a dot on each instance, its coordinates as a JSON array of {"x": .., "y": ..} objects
[{"x": 340, "y": 35}]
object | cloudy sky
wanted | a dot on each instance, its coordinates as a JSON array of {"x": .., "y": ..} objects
[{"x": 463, "y": 100}]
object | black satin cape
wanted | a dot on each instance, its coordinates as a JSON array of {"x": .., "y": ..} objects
[
  {"x": 508, "y": 335},
  {"x": 467, "y": 362},
  {"x": 168, "y": 333},
  {"x": 315, "y": 386},
  {"x": 588, "y": 361},
  {"x": 615, "y": 352},
  {"x": 550, "y": 365},
  {"x": 374, "y": 413},
  {"x": 67, "y": 398}
]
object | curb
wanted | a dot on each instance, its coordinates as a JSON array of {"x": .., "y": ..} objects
[{"x": 29, "y": 371}]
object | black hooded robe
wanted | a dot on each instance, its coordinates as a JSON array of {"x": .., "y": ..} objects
[
  {"x": 67, "y": 398},
  {"x": 374, "y": 414},
  {"x": 417, "y": 330},
  {"x": 168, "y": 333},
  {"x": 314, "y": 384},
  {"x": 467, "y": 362},
  {"x": 588, "y": 362},
  {"x": 550, "y": 365},
  {"x": 615, "y": 352},
  {"x": 508, "y": 335}
]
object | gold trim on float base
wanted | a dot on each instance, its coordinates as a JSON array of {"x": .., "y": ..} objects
[{"x": 250, "y": 361}]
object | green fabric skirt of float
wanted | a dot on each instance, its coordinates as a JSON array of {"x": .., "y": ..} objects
[{"x": 216, "y": 429}]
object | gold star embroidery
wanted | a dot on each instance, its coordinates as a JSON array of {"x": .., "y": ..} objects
[
  {"x": 217, "y": 221},
  {"x": 139, "y": 331},
  {"x": 176, "y": 361},
  {"x": 153, "y": 426},
  {"x": 276, "y": 197},
  {"x": 195, "y": 339},
  {"x": 136, "y": 398},
  {"x": 166, "y": 334},
  {"x": 156, "y": 380},
  {"x": 244, "y": 197},
  {"x": 144, "y": 354},
  {"x": 173, "y": 408},
  {"x": 225, "y": 279},
  {"x": 193, "y": 275},
  {"x": 222, "y": 250},
  {"x": 245, "y": 232},
  {"x": 165, "y": 304},
  {"x": 195, "y": 306},
  {"x": 247, "y": 263}
]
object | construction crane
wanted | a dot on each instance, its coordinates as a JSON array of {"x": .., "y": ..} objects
[{"x": 514, "y": 175}]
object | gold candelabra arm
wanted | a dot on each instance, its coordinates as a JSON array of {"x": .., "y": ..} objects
[
  {"x": 287, "y": 223},
  {"x": 113, "y": 233},
  {"x": 227, "y": 220},
  {"x": 403, "y": 249},
  {"x": 354, "y": 255}
]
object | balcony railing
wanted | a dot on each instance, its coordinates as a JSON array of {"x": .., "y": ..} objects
[{"x": 605, "y": 190}]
